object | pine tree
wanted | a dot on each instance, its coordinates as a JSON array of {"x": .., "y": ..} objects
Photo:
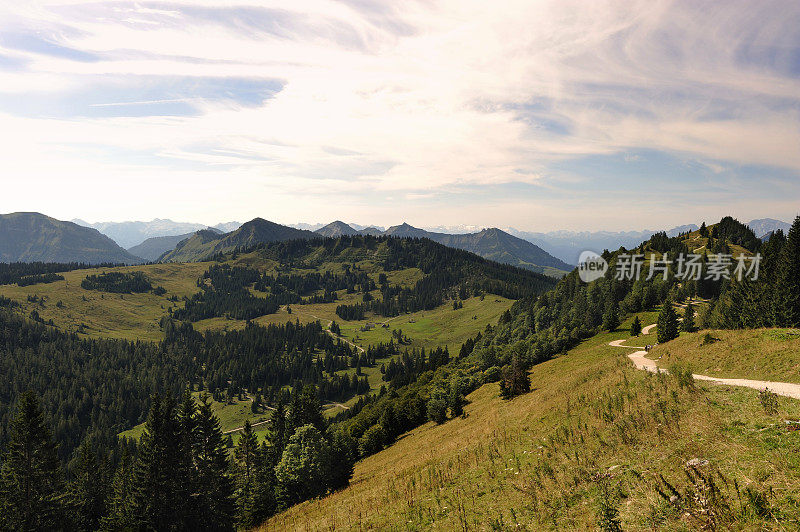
[
  {"x": 688, "y": 319},
  {"x": 30, "y": 479},
  {"x": 87, "y": 492},
  {"x": 154, "y": 480},
  {"x": 611, "y": 317},
  {"x": 215, "y": 501},
  {"x": 121, "y": 501},
  {"x": 345, "y": 450},
  {"x": 667, "y": 323},
  {"x": 186, "y": 489},
  {"x": 246, "y": 458},
  {"x": 636, "y": 326},
  {"x": 456, "y": 400},
  {"x": 516, "y": 380},
  {"x": 788, "y": 285},
  {"x": 263, "y": 501},
  {"x": 279, "y": 437}
]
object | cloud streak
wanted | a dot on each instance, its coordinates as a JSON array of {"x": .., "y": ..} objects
[{"x": 414, "y": 101}]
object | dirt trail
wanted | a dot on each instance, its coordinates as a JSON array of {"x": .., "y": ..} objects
[{"x": 640, "y": 360}]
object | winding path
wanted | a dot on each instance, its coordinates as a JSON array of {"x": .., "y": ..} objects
[{"x": 640, "y": 360}]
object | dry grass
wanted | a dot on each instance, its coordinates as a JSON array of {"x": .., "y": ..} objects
[
  {"x": 762, "y": 354},
  {"x": 539, "y": 461}
]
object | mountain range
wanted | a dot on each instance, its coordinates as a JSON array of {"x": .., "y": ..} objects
[
  {"x": 36, "y": 237},
  {"x": 32, "y": 237},
  {"x": 492, "y": 244},
  {"x": 130, "y": 234},
  {"x": 205, "y": 243}
]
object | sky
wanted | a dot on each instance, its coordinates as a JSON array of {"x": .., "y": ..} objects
[{"x": 532, "y": 114}]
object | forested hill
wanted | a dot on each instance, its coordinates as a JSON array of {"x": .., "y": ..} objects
[
  {"x": 447, "y": 275},
  {"x": 34, "y": 237},
  {"x": 492, "y": 244},
  {"x": 257, "y": 231},
  {"x": 154, "y": 247}
]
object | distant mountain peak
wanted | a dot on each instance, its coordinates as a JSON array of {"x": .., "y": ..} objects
[
  {"x": 32, "y": 236},
  {"x": 336, "y": 229}
]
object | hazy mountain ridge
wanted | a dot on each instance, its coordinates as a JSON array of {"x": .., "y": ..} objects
[
  {"x": 766, "y": 226},
  {"x": 31, "y": 237},
  {"x": 132, "y": 233},
  {"x": 154, "y": 247}
]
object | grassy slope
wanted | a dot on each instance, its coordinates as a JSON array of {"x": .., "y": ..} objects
[
  {"x": 763, "y": 354},
  {"x": 128, "y": 316},
  {"x": 535, "y": 462}
]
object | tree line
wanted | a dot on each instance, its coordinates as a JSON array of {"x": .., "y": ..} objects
[{"x": 181, "y": 474}]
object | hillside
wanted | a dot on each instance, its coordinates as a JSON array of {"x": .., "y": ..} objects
[
  {"x": 492, "y": 244},
  {"x": 205, "y": 244},
  {"x": 30, "y": 237},
  {"x": 154, "y": 247},
  {"x": 593, "y": 434}
]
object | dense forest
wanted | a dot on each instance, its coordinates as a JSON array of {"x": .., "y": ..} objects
[
  {"x": 15, "y": 272},
  {"x": 449, "y": 274},
  {"x": 118, "y": 282}
]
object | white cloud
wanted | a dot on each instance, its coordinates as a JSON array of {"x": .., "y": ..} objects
[{"x": 409, "y": 98}]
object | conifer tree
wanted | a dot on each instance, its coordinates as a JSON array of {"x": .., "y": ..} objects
[
  {"x": 667, "y": 323},
  {"x": 636, "y": 326},
  {"x": 279, "y": 437},
  {"x": 87, "y": 492},
  {"x": 262, "y": 504},
  {"x": 186, "y": 434},
  {"x": 154, "y": 480},
  {"x": 344, "y": 449},
  {"x": 246, "y": 463},
  {"x": 456, "y": 400},
  {"x": 121, "y": 499},
  {"x": 30, "y": 479},
  {"x": 787, "y": 289},
  {"x": 214, "y": 488},
  {"x": 688, "y": 319},
  {"x": 611, "y": 317}
]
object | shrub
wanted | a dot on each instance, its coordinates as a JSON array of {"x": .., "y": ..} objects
[
  {"x": 492, "y": 374},
  {"x": 769, "y": 400}
]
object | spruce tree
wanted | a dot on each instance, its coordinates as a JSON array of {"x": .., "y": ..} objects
[
  {"x": 88, "y": 490},
  {"x": 787, "y": 289},
  {"x": 611, "y": 317},
  {"x": 688, "y": 319},
  {"x": 279, "y": 437},
  {"x": 636, "y": 326},
  {"x": 667, "y": 323},
  {"x": 215, "y": 488},
  {"x": 456, "y": 399},
  {"x": 154, "y": 479},
  {"x": 121, "y": 500},
  {"x": 262, "y": 503},
  {"x": 345, "y": 450},
  {"x": 30, "y": 479},
  {"x": 246, "y": 462},
  {"x": 186, "y": 434}
]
